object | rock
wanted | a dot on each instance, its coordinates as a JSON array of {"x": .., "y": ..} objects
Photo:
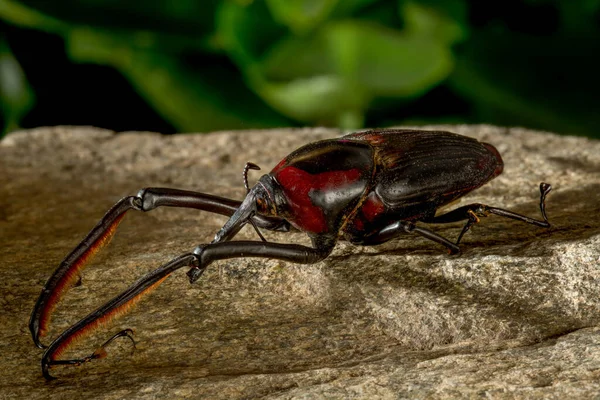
[{"x": 514, "y": 316}]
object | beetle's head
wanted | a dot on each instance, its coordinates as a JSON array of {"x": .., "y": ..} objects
[
  {"x": 261, "y": 199},
  {"x": 270, "y": 199}
]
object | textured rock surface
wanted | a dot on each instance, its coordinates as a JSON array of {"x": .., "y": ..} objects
[{"x": 514, "y": 316}]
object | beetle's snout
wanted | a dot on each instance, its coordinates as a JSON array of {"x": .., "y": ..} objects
[{"x": 499, "y": 162}]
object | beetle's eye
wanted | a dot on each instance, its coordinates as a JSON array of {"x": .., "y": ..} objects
[{"x": 261, "y": 204}]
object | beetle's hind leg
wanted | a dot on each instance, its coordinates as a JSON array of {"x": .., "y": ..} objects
[{"x": 473, "y": 212}]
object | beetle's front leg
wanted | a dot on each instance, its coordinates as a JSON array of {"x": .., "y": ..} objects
[
  {"x": 110, "y": 310},
  {"x": 68, "y": 272},
  {"x": 100, "y": 352}
]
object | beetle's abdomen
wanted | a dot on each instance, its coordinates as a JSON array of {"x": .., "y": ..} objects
[
  {"x": 417, "y": 167},
  {"x": 419, "y": 171},
  {"x": 321, "y": 183}
]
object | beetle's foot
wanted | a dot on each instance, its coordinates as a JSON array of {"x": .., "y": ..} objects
[
  {"x": 249, "y": 165},
  {"x": 100, "y": 352},
  {"x": 454, "y": 252}
]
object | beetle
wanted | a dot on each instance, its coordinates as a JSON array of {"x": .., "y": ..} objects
[{"x": 367, "y": 187}]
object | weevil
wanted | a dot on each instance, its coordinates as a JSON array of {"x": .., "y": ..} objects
[{"x": 367, "y": 188}]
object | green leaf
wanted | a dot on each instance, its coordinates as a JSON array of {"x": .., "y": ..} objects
[
  {"x": 298, "y": 57},
  {"x": 245, "y": 32},
  {"x": 24, "y": 16},
  {"x": 200, "y": 100},
  {"x": 335, "y": 73},
  {"x": 137, "y": 34},
  {"x": 16, "y": 96},
  {"x": 320, "y": 99},
  {"x": 301, "y": 16},
  {"x": 446, "y": 21},
  {"x": 348, "y": 8},
  {"x": 181, "y": 17},
  {"x": 385, "y": 62}
]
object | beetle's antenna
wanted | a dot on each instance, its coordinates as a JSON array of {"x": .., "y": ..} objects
[{"x": 248, "y": 166}]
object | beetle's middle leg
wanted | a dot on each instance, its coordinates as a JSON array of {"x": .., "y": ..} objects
[{"x": 398, "y": 228}]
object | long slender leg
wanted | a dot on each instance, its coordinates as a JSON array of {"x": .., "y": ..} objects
[
  {"x": 202, "y": 256},
  {"x": 295, "y": 253},
  {"x": 68, "y": 272},
  {"x": 112, "y": 309},
  {"x": 100, "y": 352},
  {"x": 397, "y": 228},
  {"x": 473, "y": 212}
]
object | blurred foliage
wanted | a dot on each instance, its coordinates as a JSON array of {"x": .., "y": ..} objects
[
  {"x": 16, "y": 96},
  {"x": 204, "y": 65}
]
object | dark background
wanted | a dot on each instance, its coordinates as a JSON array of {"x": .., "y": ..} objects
[{"x": 204, "y": 65}]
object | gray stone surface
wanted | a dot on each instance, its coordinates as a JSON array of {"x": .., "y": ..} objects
[{"x": 514, "y": 316}]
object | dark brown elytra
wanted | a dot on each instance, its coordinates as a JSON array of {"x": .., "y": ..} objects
[{"x": 367, "y": 188}]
